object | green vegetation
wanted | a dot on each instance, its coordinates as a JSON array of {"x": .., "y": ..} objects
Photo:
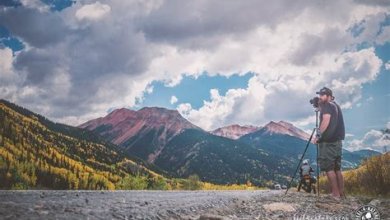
[
  {"x": 217, "y": 159},
  {"x": 371, "y": 178},
  {"x": 36, "y": 153}
]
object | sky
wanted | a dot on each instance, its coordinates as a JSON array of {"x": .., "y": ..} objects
[{"x": 216, "y": 62}]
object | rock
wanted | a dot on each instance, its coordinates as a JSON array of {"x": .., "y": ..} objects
[
  {"x": 279, "y": 206},
  {"x": 330, "y": 206},
  {"x": 375, "y": 202},
  {"x": 212, "y": 217}
]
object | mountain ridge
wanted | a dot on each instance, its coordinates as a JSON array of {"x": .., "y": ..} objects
[
  {"x": 128, "y": 128},
  {"x": 35, "y": 152}
]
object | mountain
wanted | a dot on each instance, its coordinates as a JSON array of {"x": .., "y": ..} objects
[
  {"x": 143, "y": 133},
  {"x": 289, "y": 142},
  {"x": 234, "y": 131},
  {"x": 220, "y": 160},
  {"x": 38, "y": 153},
  {"x": 166, "y": 139},
  {"x": 276, "y": 140},
  {"x": 283, "y": 128},
  {"x": 352, "y": 159}
]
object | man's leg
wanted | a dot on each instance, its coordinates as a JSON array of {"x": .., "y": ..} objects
[
  {"x": 332, "y": 178},
  {"x": 340, "y": 182},
  {"x": 339, "y": 175}
]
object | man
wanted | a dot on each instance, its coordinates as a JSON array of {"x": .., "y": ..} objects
[
  {"x": 306, "y": 170},
  {"x": 332, "y": 132}
]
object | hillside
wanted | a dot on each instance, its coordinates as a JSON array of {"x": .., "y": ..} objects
[
  {"x": 142, "y": 133},
  {"x": 37, "y": 153},
  {"x": 166, "y": 139},
  {"x": 220, "y": 160}
]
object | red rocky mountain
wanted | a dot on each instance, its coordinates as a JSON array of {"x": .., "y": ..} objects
[
  {"x": 283, "y": 127},
  {"x": 150, "y": 128}
]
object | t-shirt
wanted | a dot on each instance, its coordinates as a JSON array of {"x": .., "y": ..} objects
[
  {"x": 335, "y": 130},
  {"x": 340, "y": 128}
]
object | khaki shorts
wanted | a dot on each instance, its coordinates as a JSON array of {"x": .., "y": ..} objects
[{"x": 329, "y": 156}]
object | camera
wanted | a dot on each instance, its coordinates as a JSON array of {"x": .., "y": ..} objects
[{"x": 315, "y": 102}]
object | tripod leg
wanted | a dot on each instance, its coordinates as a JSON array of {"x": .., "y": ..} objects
[
  {"x": 318, "y": 174},
  {"x": 300, "y": 161}
]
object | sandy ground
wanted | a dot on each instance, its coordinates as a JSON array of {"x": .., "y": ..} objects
[{"x": 258, "y": 204}]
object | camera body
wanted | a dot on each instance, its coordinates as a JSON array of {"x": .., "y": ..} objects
[{"x": 315, "y": 102}]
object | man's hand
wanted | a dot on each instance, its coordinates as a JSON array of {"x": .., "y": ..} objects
[{"x": 317, "y": 136}]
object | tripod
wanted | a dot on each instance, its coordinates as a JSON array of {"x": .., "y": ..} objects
[{"x": 316, "y": 129}]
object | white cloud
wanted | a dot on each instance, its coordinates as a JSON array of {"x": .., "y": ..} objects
[
  {"x": 173, "y": 99},
  {"x": 6, "y": 68},
  {"x": 9, "y": 79},
  {"x": 292, "y": 48},
  {"x": 373, "y": 139},
  {"x": 215, "y": 112},
  {"x": 270, "y": 97},
  {"x": 387, "y": 65},
  {"x": 93, "y": 11},
  {"x": 184, "y": 108}
]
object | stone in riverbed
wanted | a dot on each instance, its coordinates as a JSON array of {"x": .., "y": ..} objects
[
  {"x": 212, "y": 217},
  {"x": 279, "y": 206}
]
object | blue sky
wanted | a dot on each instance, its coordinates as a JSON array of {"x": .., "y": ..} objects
[
  {"x": 372, "y": 111},
  {"x": 192, "y": 90},
  {"x": 74, "y": 61}
]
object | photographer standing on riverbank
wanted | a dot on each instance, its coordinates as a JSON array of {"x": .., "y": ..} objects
[{"x": 331, "y": 134}]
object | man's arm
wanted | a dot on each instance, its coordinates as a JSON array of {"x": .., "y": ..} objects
[{"x": 324, "y": 123}]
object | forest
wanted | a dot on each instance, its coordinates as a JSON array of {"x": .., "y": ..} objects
[
  {"x": 36, "y": 153},
  {"x": 34, "y": 156}
]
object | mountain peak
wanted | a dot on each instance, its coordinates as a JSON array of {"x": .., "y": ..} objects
[
  {"x": 120, "y": 112},
  {"x": 284, "y": 123},
  {"x": 274, "y": 127},
  {"x": 283, "y": 127},
  {"x": 234, "y": 131},
  {"x": 157, "y": 123},
  {"x": 159, "y": 110}
]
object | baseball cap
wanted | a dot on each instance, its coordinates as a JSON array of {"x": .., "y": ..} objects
[{"x": 325, "y": 91}]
